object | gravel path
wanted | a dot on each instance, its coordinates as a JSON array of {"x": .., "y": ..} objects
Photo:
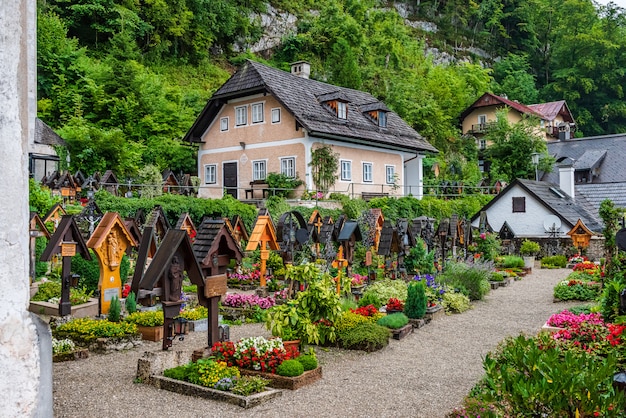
[{"x": 426, "y": 374}]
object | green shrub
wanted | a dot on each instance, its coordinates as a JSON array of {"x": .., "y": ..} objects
[
  {"x": 131, "y": 303},
  {"x": 41, "y": 267},
  {"x": 247, "y": 385},
  {"x": 146, "y": 318},
  {"x": 496, "y": 276},
  {"x": 565, "y": 290},
  {"x": 194, "y": 314},
  {"x": 456, "y": 302},
  {"x": 512, "y": 261},
  {"x": 386, "y": 289},
  {"x": 554, "y": 261},
  {"x": 473, "y": 278},
  {"x": 207, "y": 372},
  {"x": 85, "y": 330},
  {"x": 529, "y": 248},
  {"x": 46, "y": 291},
  {"x": 349, "y": 320},
  {"x": 610, "y": 299},
  {"x": 290, "y": 368},
  {"x": 370, "y": 298},
  {"x": 347, "y": 304},
  {"x": 528, "y": 377},
  {"x": 115, "y": 310},
  {"x": 308, "y": 361},
  {"x": 179, "y": 373},
  {"x": 416, "y": 301},
  {"x": 394, "y": 321},
  {"x": 367, "y": 337}
]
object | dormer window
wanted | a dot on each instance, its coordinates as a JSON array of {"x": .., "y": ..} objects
[
  {"x": 342, "y": 110},
  {"x": 382, "y": 119},
  {"x": 376, "y": 112}
]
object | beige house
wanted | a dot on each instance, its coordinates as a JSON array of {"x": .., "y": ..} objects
[
  {"x": 555, "y": 120},
  {"x": 265, "y": 120}
]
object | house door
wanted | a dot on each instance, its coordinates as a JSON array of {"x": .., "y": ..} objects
[{"x": 230, "y": 179}]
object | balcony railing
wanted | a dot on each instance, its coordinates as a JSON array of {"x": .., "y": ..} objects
[{"x": 481, "y": 127}]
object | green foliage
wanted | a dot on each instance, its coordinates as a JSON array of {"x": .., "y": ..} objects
[
  {"x": 207, "y": 372},
  {"x": 179, "y": 373},
  {"x": 419, "y": 260},
  {"x": 529, "y": 248},
  {"x": 455, "y": 302},
  {"x": 472, "y": 278},
  {"x": 370, "y": 298},
  {"x": 89, "y": 271},
  {"x": 366, "y": 336},
  {"x": 40, "y": 199},
  {"x": 385, "y": 289},
  {"x": 610, "y": 218},
  {"x": 131, "y": 303},
  {"x": 290, "y": 368},
  {"x": 348, "y": 303},
  {"x": 247, "y": 385},
  {"x": 565, "y": 290},
  {"x": 41, "y": 267},
  {"x": 145, "y": 318},
  {"x": 46, "y": 291},
  {"x": 416, "y": 302},
  {"x": 194, "y": 314},
  {"x": 308, "y": 361},
  {"x": 85, "y": 330},
  {"x": 115, "y": 309},
  {"x": 324, "y": 164},
  {"x": 393, "y": 321},
  {"x": 526, "y": 377},
  {"x": 610, "y": 299},
  {"x": 554, "y": 261},
  {"x": 349, "y": 320},
  {"x": 511, "y": 262},
  {"x": 282, "y": 185}
]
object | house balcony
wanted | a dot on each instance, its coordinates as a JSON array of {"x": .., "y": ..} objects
[{"x": 481, "y": 128}]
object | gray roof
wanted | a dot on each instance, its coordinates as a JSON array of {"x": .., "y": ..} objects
[
  {"x": 45, "y": 135},
  {"x": 557, "y": 201},
  {"x": 588, "y": 153},
  {"x": 596, "y": 193},
  {"x": 301, "y": 97}
]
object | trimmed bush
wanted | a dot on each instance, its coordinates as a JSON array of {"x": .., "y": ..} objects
[
  {"x": 131, "y": 303},
  {"x": 554, "y": 261},
  {"x": 416, "y": 302},
  {"x": 290, "y": 368},
  {"x": 454, "y": 302},
  {"x": 308, "y": 361},
  {"x": 115, "y": 310},
  {"x": 393, "y": 321},
  {"x": 367, "y": 337}
]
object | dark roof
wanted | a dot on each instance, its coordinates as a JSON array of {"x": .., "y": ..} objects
[
  {"x": 555, "y": 200},
  {"x": 490, "y": 99},
  {"x": 301, "y": 97},
  {"x": 45, "y": 135},
  {"x": 205, "y": 241},
  {"x": 587, "y": 153},
  {"x": 549, "y": 111},
  {"x": 596, "y": 193}
]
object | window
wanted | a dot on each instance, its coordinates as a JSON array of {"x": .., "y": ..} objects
[
  {"x": 346, "y": 170},
  {"x": 390, "y": 174},
  {"x": 482, "y": 143},
  {"x": 241, "y": 115},
  {"x": 367, "y": 172},
  {"x": 223, "y": 124},
  {"x": 258, "y": 170},
  {"x": 482, "y": 119},
  {"x": 519, "y": 204},
  {"x": 257, "y": 113},
  {"x": 276, "y": 115},
  {"x": 288, "y": 166},
  {"x": 342, "y": 110},
  {"x": 382, "y": 119},
  {"x": 210, "y": 174}
]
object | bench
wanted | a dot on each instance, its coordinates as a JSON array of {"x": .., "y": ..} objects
[
  {"x": 258, "y": 185},
  {"x": 367, "y": 196}
]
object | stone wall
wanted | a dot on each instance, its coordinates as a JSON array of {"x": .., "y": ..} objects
[
  {"x": 25, "y": 349},
  {"x": 558, "y": 246}
]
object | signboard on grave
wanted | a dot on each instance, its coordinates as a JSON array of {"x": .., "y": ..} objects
[{"x": 109, "y": 241}]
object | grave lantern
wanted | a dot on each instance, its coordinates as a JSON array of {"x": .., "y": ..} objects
[{"x": 581, "y": 235}]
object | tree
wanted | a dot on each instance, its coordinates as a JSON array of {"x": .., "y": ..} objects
[
  {"x": 512, "y": 145},
  {"x": 324, "y": 164}
]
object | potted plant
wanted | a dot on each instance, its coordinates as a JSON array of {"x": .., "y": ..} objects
[{"x": 528, "y": 250}]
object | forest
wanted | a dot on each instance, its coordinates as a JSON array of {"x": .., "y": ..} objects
[{"x": 123, "y": 80}]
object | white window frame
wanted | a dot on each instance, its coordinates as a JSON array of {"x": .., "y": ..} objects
[
  {"x": 224, "y": 124},
  {"x": 276, "y": 115},
  {"x": 342, "y": 110},
  {"x": 345, "y": 170},
  {"x": 482, "y": 119},
  {"x": 257, "y": 172},
  {"x": 390, "y": 174},
  {"x": 241, "y": 116},
  {"x": 368, "y": 175},
  {"x": 382, "y": 119},
  {"x": 257, "y": 110},
  {"x": 288, "y": 166},
  {"x": 207, "y": 175},
  {"x": 482, "y": 143}
]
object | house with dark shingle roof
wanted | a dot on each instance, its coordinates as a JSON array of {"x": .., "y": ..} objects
[
  {"x": 596, "y": 168},
  {"x": 42, "y": 157},
  {"x": 265, "y": 120},
  {"x": 527, "y": 206}
]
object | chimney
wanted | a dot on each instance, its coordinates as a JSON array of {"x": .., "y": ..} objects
[
  {"x": 566, "y": 176},
  {"x": 301, "y": 69}
]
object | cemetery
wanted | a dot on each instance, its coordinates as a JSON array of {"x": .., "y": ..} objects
[{"x": 312, "y": 282}]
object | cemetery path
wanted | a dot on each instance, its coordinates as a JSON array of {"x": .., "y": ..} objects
[{"x": 426, "y": 374}]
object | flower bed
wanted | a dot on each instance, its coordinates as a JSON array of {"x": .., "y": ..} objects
[
  {"x": 83, "y": 310},
  {"x": 285, "y": 382},
  {"x": 235, "y": 300},
  {"x": 254, "y": 353}
]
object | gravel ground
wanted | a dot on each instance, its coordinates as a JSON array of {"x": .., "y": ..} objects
[{"x": 426, "y": 374}]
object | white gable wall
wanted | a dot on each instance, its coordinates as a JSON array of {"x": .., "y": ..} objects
[{"x": 526, "y": 224}]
